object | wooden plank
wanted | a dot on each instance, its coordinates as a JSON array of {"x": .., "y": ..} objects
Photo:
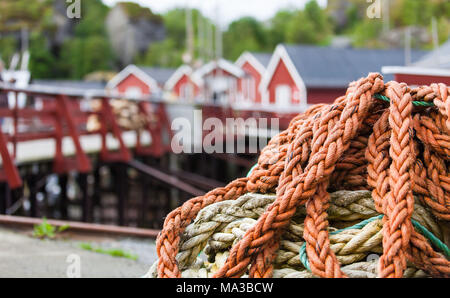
[
  {"x": 80, "y": 227},
  {"x": 165, "y": 178}
]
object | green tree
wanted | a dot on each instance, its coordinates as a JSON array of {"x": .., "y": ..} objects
[
  {"x": 353, "y": 17},
  {"x": 310, "y": 25},
  {"x": 278, "y": 27},
  {"x": 443, "y": 29},
  {"x": 92, "y": 21},
  {"x": 31, "y": 14},
  {"x": 245, "y": 34},
  {"x": 169, "y": 52},
  {"x": 89, "y": 50},
  {"x": 164, "y": 54},
  {"x": 416, "y": 12},
  {"x": 175, "y": 22},
  {"x": 81, "y": 56},
  {"x": 366, "y": 33},
  {"x": 42, "y": 62},
  {"x": 8, "y": 46}
]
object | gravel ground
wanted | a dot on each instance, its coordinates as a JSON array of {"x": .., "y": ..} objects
[{"x": 24, "y": 256}]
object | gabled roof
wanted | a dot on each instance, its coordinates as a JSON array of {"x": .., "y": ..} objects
[
  {"x": 85, "y": 85},
  {"x": 160, "y": 74},
  {"x": 263, "y": 58},
  {"x": 178, "y": 74},
  {"x": 152, "y": 76},
  {"x": 337, "y": 67},
  {"x": 132, "y": 69},
  {"x": 439, "y": 58},
  {"x": 222, "y": 64},
  {"x": 259, "y": 61}
]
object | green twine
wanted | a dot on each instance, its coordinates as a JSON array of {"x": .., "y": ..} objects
[
  {"x": 358, "y": 225},
  {"x": 430, "y": 236},
  {"x": 251, "y": 170},
  {"x": 416, "y": 103},
  {"x": 433, "y": 239}
]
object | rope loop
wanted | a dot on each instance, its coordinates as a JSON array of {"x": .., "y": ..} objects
[{"x": 400, "y": 152}]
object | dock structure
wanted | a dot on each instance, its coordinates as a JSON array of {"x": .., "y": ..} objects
[{"x": 46, "y": 144}]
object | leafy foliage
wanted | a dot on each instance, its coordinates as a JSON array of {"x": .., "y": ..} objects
[
  {"x": 41, "y": 59},
  {"x": 278, "y": 26},
  {"x": 88, "y": 49},
  {"x": 8, "y": 46},
  {"x": 310, "y": 25},
  {"x": 115, "y": 252},
  {"x": 81, "y": 56},
  {"x": 135, "y": 12},
  {"x": 162, "y": 53},
  {"x": 245, "y": 34},
  {"x": 46, "y": 230},
  {"x": 16, "y": 14}
]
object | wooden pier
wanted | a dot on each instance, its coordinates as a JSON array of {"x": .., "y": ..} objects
[{"x": 52, "y": 166}]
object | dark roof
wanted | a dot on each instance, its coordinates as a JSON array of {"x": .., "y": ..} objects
[
  {"x": 437, "y": 58},
  {"x": 263, "y": 58},
  {"x": 159, "y": 74},
  {"x": 337, "y": 67},
  {"x": 93, "y": 85}
]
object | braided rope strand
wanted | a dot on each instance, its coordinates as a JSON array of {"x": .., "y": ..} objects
[{"x": 396, "y": 150}]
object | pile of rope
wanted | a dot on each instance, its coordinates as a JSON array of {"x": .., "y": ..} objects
[
  {"x": 126, "y": 113},
  {"x": 388, "y": 138},
  {"x": 221, "y": 225}
]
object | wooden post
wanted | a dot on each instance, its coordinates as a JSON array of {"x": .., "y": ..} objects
[
  {"x": 121, "y": 184},
  {"x": 11, "y": 171},
  {"x": 4, "y": 194},
  {"x": 86, "y": 201},
  {"x": 144, "y": 180},
  {"x": 96, "y": 196},
  {"x": 63, "y": 199},
  {"x": 32, "y": 181},
  {"x": 83, "y": 162}
]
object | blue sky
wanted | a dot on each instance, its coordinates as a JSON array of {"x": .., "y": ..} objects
[{"x": 229, "y": 10}]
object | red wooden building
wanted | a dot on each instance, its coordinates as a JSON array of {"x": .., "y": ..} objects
[
  {"x": 136, "y": 80},
  {"x": 300, "y": 75},
  {"x": 183, "y": 85},
  {"x": 254, "y": 65},
  {"x": 220, "y": 81},
  {"x": 433, "y": 67}
]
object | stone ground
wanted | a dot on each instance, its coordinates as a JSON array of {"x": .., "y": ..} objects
[{"x": 24, "y": 256}]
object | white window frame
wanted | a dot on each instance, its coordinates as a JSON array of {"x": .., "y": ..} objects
[{"x": 283, "y": 95}]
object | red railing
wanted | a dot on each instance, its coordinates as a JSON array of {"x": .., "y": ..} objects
[{"x": 61, "y": 116}]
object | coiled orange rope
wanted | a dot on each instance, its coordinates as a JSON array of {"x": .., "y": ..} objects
[{"x": 358, "y": 142}]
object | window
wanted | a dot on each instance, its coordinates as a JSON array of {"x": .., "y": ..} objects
[
  {"x": 133, "y": 92},
  {"x": 249, "y": 88},
  {"x": 252, "y": 89},
  {"x": 283, "y": 95},
  {"x": 245, "y": 88},
  {"x": 232, "y": 91},
  {"x": 186, "y": 92}
]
